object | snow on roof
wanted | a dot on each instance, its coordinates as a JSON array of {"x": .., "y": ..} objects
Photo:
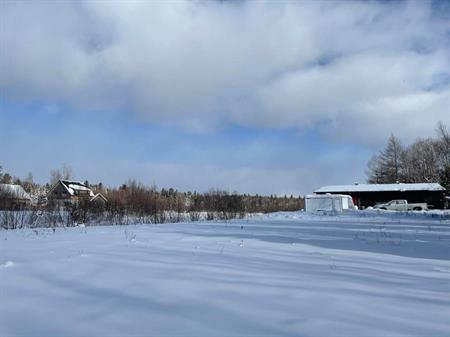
[
  {"x": 73, "y": 186},
  {"x": 380, "y": 188},
  {"x": 79, "y": 187},
  {"x": 14, "y": 191},
  {"x": 322, "y": 196}
]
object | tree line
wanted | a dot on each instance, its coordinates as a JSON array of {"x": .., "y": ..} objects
[
  {"x": 426, "y": 160},
  {"x": 134, "y": 202},
  {"x": 148, "y": 203}
]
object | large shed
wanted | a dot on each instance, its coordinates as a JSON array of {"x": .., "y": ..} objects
[{"x": 365, "y": 195}]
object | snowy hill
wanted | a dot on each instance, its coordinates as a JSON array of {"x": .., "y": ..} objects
[{"x": 283, "y": 274}]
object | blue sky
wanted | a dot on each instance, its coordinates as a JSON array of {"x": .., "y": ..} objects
[
  {"x": 258, "y": 97},
  {"x": 93, "y": 144}
]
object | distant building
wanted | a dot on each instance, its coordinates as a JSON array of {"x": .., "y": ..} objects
[
  {"x": 365, "y": 195},
  {"x": 99, "y": 199},
  {"x": 13, "y": 197},
  {"x": 66, "y": 192}
]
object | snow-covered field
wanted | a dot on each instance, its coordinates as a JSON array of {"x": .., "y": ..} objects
[{"x": 284, "y": 274}]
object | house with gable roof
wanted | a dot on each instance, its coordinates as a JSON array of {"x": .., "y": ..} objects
[{"x": 67, "y": 192}]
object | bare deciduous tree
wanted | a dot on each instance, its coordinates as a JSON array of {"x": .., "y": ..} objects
[
  {"x": 443, "y": 154},
  {"x": 426, "y": 160},
  {"x": 422, "y": 162},
  {"x": 65, "y": 173}
]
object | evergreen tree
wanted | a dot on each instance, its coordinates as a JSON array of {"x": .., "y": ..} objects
[{"x": 386, "y": 167}]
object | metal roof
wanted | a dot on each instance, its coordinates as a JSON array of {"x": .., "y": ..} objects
[{"x": 380, "y": 188}]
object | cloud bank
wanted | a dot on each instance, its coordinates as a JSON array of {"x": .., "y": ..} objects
[{"x": 355, "y": 71}]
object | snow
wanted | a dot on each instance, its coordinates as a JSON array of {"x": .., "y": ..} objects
[
  {"x": 77, "y": 187},
  {"x": 72, "y": 186},
  {"x": 284, "y": 274},
  {"x": 15, "y": 191},
  {"x": 380, "y": 188}
]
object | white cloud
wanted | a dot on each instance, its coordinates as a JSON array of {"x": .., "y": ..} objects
[
  {"x": 372, "y": 95},
  {"x": 356, "y": 70}
]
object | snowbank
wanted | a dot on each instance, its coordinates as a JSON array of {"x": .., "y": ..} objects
[{"x": 285, "y": 274}]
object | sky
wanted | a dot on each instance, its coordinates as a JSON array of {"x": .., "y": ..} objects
[{"x": 267, "y": 97}]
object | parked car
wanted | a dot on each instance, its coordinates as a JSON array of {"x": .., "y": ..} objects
[{"x": 402, "y": 205}]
